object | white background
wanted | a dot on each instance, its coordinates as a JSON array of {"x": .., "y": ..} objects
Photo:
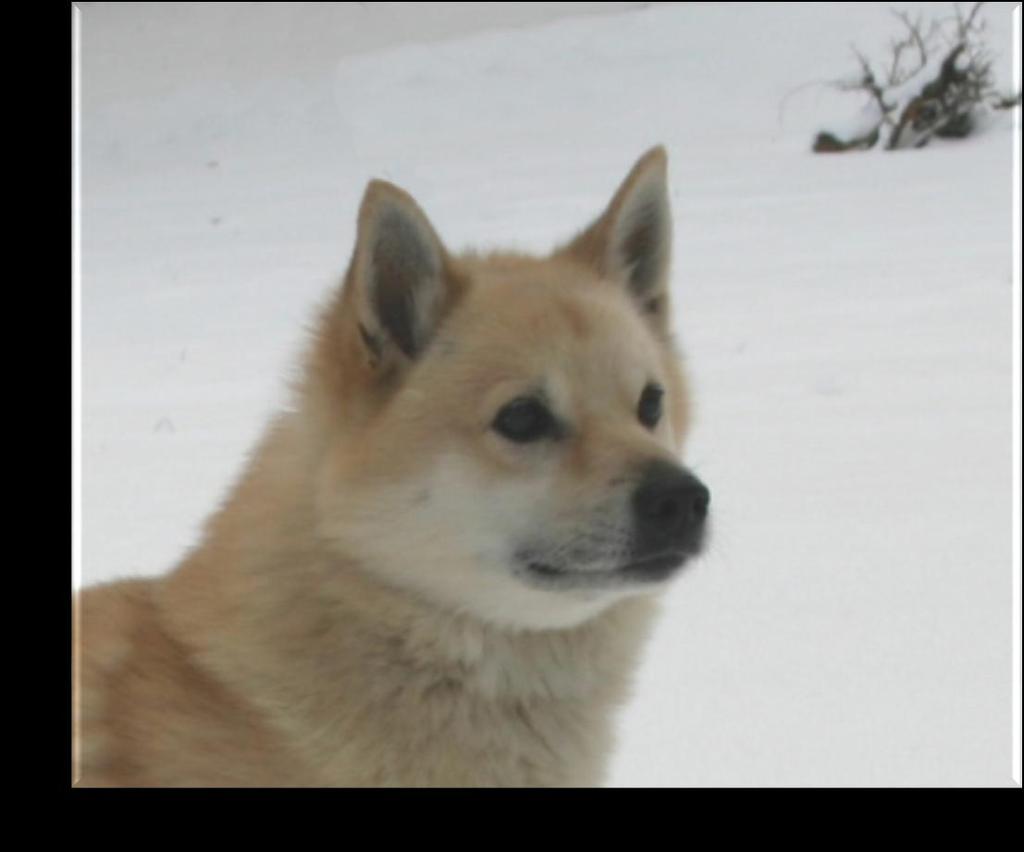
[{"x": 846, "y": 321}]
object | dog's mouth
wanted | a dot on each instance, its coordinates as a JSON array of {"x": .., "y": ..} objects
[{"x": 649, "y": 569}]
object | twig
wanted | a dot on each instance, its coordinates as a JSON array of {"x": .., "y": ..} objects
[{"x": 946, "y": 104}]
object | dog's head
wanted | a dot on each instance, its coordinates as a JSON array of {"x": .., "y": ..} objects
[{"x": 507, "y": 427}]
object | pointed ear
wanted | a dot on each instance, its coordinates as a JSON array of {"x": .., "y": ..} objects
[
  {"x": 400, "y": 272},
  {"x": 631, "y": 242}
]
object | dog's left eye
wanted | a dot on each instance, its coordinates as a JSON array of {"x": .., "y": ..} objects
[
  {"x": 648, "y": 410},
  {"x": 524, "y": 420}
]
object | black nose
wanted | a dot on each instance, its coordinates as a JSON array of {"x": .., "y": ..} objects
[{"x": 670, "y": 506}]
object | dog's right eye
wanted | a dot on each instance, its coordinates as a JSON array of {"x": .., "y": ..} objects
[
  {"x": 648, "y": 410},
  {"x": 524, "y": 420}
]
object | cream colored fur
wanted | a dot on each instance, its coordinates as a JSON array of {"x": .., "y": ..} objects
[{"x": 350, "y": 616}]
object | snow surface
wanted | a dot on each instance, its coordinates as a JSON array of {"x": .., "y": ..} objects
[{"x": 846, "y": 319}]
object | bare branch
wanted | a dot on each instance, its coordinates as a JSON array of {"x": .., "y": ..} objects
[
  {"x": 1006, "y": 101},
  {"x": 967, "y": 26},
  {"x": 867, "y": 83},
  {"x": 948, "y": 99},
  {"x": 912, "y": 39}
]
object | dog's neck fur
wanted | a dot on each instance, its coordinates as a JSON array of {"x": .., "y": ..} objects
[{"x": 279, "y": 651}]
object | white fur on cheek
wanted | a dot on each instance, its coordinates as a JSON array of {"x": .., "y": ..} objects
[{"x": 450, "y": 536}]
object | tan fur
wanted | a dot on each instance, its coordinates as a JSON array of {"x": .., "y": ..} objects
[{"x": 280, "y": 653}]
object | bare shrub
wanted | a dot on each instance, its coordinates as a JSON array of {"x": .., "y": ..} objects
[{"x": 935, "y": 81}]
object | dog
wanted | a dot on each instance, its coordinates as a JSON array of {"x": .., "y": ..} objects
[{"x": 440, "y": 565}]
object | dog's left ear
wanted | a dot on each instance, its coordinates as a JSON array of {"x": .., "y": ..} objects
[{"x": 631, "y": 242}]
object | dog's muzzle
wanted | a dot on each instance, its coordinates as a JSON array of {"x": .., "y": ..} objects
[
  {"x": 670, "y": 507},
  {"x": 669, "y": 511}
]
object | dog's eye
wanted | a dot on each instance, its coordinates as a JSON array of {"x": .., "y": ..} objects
[
  {"x": 648, "y": 410},
  {"x": 523, "y": 420}
]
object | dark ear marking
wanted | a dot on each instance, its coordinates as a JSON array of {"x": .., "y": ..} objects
[
  {"x": 630, "y": 243},
  {"x": 644, "y": 245},
  {"x": 402, "y": 265},
  {"x": 371, "y": 342},
  {"x": 401, "y": 273}
]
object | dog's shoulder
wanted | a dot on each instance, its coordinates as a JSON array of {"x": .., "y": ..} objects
[
  {"x": 107, "y": 620},
  {"x": 145, "y": 711}
]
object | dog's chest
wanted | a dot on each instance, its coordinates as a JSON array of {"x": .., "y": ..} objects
[
  {"x": 506, "y": 717},
  {"x": 443, "y": 736}
]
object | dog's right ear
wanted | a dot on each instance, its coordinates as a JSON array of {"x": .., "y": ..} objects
[
  {"x": 631, "y": 242},
  {"x": 400, "y": 272}
]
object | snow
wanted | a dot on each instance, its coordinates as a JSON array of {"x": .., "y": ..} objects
[{"x": 845, "y": 318}]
